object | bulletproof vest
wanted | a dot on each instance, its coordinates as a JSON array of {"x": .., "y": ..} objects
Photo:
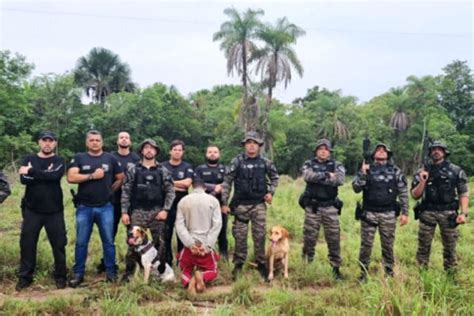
[
  {"x": 148, "y": 187},
  {"x": 214, "y": 175},
  {"x": 441, "y": 184},
  {"x": 250, "y": 180},
  {"x": 320, "y": 191},
  {"x": 381, "y": 189}
]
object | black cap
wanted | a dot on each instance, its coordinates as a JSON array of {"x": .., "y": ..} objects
[{"x": 47, "y": 134}]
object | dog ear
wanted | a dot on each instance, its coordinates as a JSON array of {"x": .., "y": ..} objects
[{"x": 285, "y": 233}]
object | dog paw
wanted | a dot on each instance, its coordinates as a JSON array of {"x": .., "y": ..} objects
[
  {"x": 286, "y": 276},
  {"x": 270, "y": 276}
]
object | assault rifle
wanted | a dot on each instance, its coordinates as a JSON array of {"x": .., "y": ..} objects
[
  {"x": 425, "y": 161},
  {"x": 366, "y": 150}
]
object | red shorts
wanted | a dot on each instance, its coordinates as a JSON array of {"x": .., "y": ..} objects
[{"x": 207, "y": 265}]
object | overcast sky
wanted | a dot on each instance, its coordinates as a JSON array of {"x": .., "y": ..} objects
[{"x": 362, "y": 48}]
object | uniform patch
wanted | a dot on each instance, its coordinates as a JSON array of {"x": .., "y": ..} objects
[
  {"x": 86, "y": 167},
  {"x": 105, "y": 167},
  {"x": 180, "y": 175}
]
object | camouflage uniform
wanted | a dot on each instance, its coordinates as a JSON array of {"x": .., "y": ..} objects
[
  {"x": 322, "y": 190},
  {"x": 383, "y": 217},
  {"x": 146, "y": 217},
  {"x": 4, "y": 187},
  {"x": 442, "y": 214},
  {"x": 248, "y": 210}
]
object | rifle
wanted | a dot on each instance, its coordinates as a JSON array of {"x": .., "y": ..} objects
[
  {"x": 425, "y": 161},
  {"x": 366, "y": 150}
]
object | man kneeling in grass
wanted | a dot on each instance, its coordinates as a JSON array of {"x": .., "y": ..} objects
[{"x": 198, "y": 223}]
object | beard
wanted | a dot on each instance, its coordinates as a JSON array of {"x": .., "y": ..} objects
[
  {"x": 47, "y": 151},
  {"x": 212, "y": 161},
  {"x": 124, "y": 146}
]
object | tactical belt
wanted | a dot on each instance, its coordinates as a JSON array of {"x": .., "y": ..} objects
[
  {"x": 440, "y": 207},
  {"x": 324, "y": 203},
  {"x": 378, "y": 209}
]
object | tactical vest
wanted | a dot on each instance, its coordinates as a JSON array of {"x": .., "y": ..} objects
[
  {"x": 441, "y": 185},
  {"x": 147, "y": 189},
  {"x": 319, "y": 191},
  {"x": 214, "y": 175},
  {"x": 250, "y": 180},
  {"x": 381, "y": 190}
]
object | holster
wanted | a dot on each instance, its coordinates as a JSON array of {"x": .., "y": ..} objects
[
  {"x": 397, "y": 208},
  {"x": 338, "y": 204},
  {"x": 358, "y": 211},
  {"x": 419, "y": 208},
  {"x": 452, "y": 220},
  {"x": 75, "y": 200}
]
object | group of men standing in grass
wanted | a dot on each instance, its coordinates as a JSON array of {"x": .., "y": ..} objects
[{"x": 138, "y": 190}]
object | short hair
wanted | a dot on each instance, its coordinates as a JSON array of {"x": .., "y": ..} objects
[
  {"x": 176, "y": 142},
  {"x": 212, "y": 145},
  {"x": 93, "y": 132}
]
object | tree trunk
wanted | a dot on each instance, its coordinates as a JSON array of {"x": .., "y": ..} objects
[{"x": 265, "y": 119}]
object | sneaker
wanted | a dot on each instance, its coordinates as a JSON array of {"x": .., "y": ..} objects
[
  {"x": 76, "y": 281},
  {"x": 61, "y": 283},
  {"x": 200, "y": 286},
  {"x": 23, "y": 283},
  {"x": 167, "y": 275}
]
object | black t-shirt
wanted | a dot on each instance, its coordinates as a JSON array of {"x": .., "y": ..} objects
[
  {"x": 179, "y": 172},
  {"x": 97, "y": 192},
  {"x": 211, "y": 175},
  {"x": 125, "y": 162},
  {"x": 43, "y": 192}
]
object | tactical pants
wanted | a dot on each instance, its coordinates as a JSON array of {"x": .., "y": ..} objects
[
  {"x": 449, "y": 236},
  {"x": 30, "y": 229},
  {"x": 327, "y": 217},
  {"x": 386, "y": 223},
  {"x": 147, "y": 219},
  {"x": 256, "y": 215},
  {"x": 170, "y": 221},
  {"x": 222, "y": 239}
]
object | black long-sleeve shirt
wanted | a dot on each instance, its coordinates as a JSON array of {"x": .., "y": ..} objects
[{"x": 43, "y": 192}]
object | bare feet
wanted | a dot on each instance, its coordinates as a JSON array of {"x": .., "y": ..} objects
[
  {"x": 200, "y": 286},
  {"x": 192, "y": 286}
]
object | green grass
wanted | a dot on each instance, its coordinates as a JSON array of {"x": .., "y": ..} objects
[{"x": 310, "y": 289}]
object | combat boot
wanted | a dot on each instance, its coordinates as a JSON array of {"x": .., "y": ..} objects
[
  {"x": 262, "y": 269},
  {"x": 237, "y": 271},
  {"x": 363, "y": 274},
  {"x": 389, "y": 272},
  {"x": 337, "y": 274}
]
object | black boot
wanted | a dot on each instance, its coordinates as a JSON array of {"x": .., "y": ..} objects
[
  {"x": 76, "y": 281},
  {"x": 23, "y": 283},
  {"x": 237, "y": 271},
  {"x": 389, "y": 272},
  {"x": 337, "y": 274},
  {"x": 363, "y": 273},
  {"x": 262, "y": 269}
]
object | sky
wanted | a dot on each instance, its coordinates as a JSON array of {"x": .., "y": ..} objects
[{"x": 362, "y": 48}]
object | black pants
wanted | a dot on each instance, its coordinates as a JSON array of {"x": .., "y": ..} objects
[
  {"x": 170, "y": 220},
  {"x": 222, "y": 239},
  {"x": 30, "y": 230}
]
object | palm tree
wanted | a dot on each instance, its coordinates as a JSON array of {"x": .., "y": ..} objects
[
  {"x": 277, "y": 58},
  {"x": 236, "y": 37},
  {"x": 101, "y": 73}
]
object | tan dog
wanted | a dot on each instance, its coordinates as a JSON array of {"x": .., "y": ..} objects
[{"x": 278, "y": 251}]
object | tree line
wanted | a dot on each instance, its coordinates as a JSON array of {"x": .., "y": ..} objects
[{"x": 441, "y": 106}]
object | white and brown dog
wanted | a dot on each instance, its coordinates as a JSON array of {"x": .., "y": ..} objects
[
  {"x": 277, "y": 252},
  {"x": 149, "y": 256}
]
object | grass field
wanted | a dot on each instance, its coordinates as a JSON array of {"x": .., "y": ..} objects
[{"x": 310, "y": 289}]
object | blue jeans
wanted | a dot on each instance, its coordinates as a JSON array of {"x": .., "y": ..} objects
[{"x": 104, "y": 218}]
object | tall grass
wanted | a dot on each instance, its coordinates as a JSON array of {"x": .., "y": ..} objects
[{"x": 310, "y": 289}]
